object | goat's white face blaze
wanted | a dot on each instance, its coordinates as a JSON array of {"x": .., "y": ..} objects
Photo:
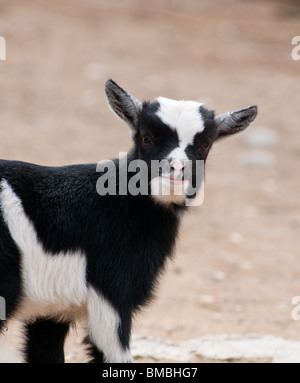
[
  {"x": 182, "y": 116},
  {"x": 185, "y": 118}
]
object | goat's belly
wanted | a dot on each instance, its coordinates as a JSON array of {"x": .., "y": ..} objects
[{"x": 29, "y": 310}]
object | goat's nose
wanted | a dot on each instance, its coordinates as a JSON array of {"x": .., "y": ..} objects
[{"x": 177, "y": 168}]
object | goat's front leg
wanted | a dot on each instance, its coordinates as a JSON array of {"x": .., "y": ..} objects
[{"x": 108, "y": 334}]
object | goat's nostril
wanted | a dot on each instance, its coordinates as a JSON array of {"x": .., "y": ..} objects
[
  {"x": 177, "y": 165},
  {"x": 176, "y": 169}
]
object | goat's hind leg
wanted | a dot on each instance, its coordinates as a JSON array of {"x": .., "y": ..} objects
[{"x": 45, "y": 340}]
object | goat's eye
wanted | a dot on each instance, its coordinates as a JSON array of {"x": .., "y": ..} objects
[
  {"x": 147, "y": 140},
  {"x": 204, "y": 146}
]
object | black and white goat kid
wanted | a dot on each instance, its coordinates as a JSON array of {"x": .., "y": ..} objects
[{"x": 68, "y": 253}]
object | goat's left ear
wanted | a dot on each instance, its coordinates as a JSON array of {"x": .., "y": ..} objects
[
  {"x": 234, "y": 122},
  {"x": 126, "y": 106}
]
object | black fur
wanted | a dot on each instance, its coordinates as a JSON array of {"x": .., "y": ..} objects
[
  {"x": 45, "y": 341},
  {"x": 96, "y": 356}
]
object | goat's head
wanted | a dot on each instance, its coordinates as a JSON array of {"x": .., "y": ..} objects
[{"x": 176, "y": 133}]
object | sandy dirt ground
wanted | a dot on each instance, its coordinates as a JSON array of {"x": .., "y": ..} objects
[{"x": 237, "y": 266}]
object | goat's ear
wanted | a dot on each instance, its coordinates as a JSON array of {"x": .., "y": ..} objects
[
  {"x": 126, "y": 106},
  {"x": 234, "y": 122}
]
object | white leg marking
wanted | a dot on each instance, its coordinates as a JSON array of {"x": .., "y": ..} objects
[{"x": 103, "y": 324}]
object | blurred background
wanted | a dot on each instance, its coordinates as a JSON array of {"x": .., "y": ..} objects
[{"x": 237, "y": 263}]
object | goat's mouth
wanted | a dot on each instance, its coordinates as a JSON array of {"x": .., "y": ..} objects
[
  {"x": 167, "y": 189},
  {"x": 172, "y": 180},
  {"x": 173, "y": 185},
  {"x": 174, "y": 176}
]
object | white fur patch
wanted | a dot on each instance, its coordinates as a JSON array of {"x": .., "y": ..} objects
[
  {"x": 185, "y": 118},
  {"x": 52, "y": 282},
  {"x": 103, "y": 325}
]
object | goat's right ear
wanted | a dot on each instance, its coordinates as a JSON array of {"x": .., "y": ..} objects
[{"x": 126, "y": 106}]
